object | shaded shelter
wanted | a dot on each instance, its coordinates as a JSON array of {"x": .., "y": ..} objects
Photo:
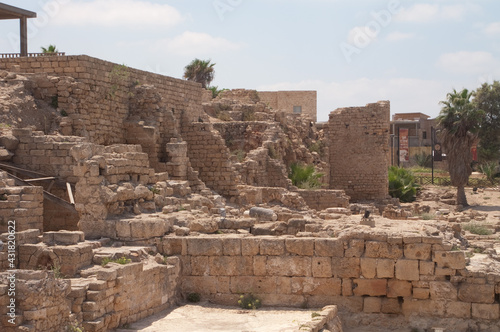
[{"x": 8, "y": 12}]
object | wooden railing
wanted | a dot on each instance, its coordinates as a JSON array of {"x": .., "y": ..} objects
[{"x": 31, "y": 55}]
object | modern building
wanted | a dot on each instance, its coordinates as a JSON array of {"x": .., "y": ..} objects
[{"x": 410, "y": 135}]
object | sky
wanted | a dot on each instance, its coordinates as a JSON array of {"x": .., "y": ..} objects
[{"x": 352, "y": 52}]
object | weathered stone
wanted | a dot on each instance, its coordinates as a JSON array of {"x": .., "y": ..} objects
[{"x": 476, "y": 293}]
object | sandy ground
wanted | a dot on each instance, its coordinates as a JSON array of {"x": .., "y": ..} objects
[{"x": 210, "y": 317}]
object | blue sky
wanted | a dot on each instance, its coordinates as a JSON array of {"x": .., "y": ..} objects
[{"x": 352, "y": 52}]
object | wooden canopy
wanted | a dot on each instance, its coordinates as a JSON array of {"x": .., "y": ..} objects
[{"x": 8, "y": 12}]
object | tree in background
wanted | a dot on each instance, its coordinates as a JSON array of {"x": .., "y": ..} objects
[
  {"x": 201, "y": 71},
  {"x": 487, "y": 99},
  {"x": 460, "y": 121},
  {"x": 50, "y": 49}
]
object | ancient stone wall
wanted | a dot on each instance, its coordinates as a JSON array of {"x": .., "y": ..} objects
[
  {"x": 21, "y": 207},
  {"x": 321, "y": 199},
  {"x": 45, "y": 153},
  {"x": 43, "y": 306},
  {"x": 18, "y": 239},
  {"x": 210, "y": 157},
  {"x": 371, "y": 273},
  {"x": 358, "y": 145},
  {"x": 286, "y": 100},
  {"x": 103, "y": 299},
  {"x": 97, "y": 100}
]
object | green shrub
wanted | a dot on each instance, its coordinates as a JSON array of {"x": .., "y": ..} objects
[
  {"x": 122, "y": 261},
  {"x": 249, "y": 302},
  {"x": 477, "y": 228},
  {"x": 194, "y": 297},
  {"x": 489, "y": 169},
  {"x": 317, "y": 146},
  {"x": 423, "y": 159},
  {"x": 402, "y": 184},
  {"x": 304, "y": 177}
]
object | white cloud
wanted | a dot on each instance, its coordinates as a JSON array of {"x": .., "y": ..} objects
[
  {"x": 492, "y": 29},
  {"x": 474, "y": 63},
  {"x": 405, "y": 94},
  {"x": 397, "y": 36},
  {"x": 123, "y": 13},
  {"x": 197, "y": 43},
  {"x": 423, "y": 12},
  {"x": 418, "y": 13}
]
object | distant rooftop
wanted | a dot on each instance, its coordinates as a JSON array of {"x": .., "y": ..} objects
[
  {"x": 8, "y": 12},
  {"x": 409, "y": 117}
]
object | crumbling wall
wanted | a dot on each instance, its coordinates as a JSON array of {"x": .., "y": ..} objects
[
  {"x": 97, "y": 101},
  {"x": 40, "y": 302},
  {"x": 358, "y": 146},
  {"x": 370, "y": 273},
  {"x": 47, "y": 154},
  {"x": 21, "y": 207},
  {"x": 210, "y": 157},
  {"x": 321, "y": 199},
  {"x": 286, "y": 100}
]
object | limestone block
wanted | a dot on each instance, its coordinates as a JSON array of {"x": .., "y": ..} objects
[
  {"x": 231, "y": 246},
  {"x": 328, "y": 248},
  {"x": 420, "y": 251},
  {"x": 486, "y": 311},
  {"x": 442, "y": 290},
  {"x": 461, "y": 310},
  {"x": 372, "y": 304},
  {"x": 316, "y": 286},
  {"x": 355, "y": 248},
  {"x": 204, "y": 246},
  {"x": 230, "y": 265},
  {"x": 260, "y": 265},
  {"x": 146, "y": 229},
  {"x": 255, "y": 285},
  {"x": 385, "y": 268},
  {"x": 346, "y": 267},
  {"x": 476, "y": 293},
  {"x": 427, "y": 268},
  {"x": 301, "y": 247},
  {"x": 206, "y": 225},
  {"x": 421, "y": 293},
  {"x": 68, "y": 238},
  {"x": 375, "y": 249},
  {"x": 263, "y": 214},
  {"x": 9, "y": 142},
  {"x": 347, "y": 287},
  {"x": 449, "y": 259},
  {"x": 271, "y": 246},
  {"x": 368, "y": 267},
  {"x": 289, "y": 266},
  {"x": 390, "y": 306},
  {"x": 396, "y": 288},
  {"x": 322, "y": 267},
  {"x": 250, "y": 246},
  {"x": 370, "y": 287},
  {"x": 407, "y": 270}
]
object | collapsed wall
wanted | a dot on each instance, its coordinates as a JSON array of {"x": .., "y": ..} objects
[{"x": 358, "y": 140}]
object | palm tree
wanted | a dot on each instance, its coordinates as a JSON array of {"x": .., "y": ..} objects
[
  {"x": 201, "y": 71},
  {"x": 49, "y": 50},
  {"x": 459, "y": 121}
]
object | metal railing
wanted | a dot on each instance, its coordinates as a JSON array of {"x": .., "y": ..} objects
[
  {"x": 445, "y": 181},
  {"x": 30, "y": 55}
]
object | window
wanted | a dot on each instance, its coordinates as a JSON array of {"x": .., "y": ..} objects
[
  {"x": 297, "y": 110},
  {"x": 424, "y": 135}
]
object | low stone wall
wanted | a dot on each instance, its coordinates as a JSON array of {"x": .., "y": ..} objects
[
  {"x": 322, "y": 199},
  {"x": 18, "y": 239},
  {"x": 46, "y": 154},
  {"x": 40, "y": 304},
  {"x": 410, "y": 275},
  {"x": 103, "y": 299},
  {"x": 21, "y": 207}
]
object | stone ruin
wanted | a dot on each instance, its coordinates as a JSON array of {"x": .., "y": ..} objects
[{"x": 193, "y": 195}]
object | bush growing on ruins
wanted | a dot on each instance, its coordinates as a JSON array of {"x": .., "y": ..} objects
[
  {"x": 317, "y": 147},
  {"x": 489, "y": 169},
  {"x": 423, "y": 159},
  {"x": 304, "y": 177},
  {"x": 249, "y": 301},
  {"x": 476, "y": 228},
  {"x": 402, "y": 184},
  {"x": 122, "y": 260},
  {"x": 194, "y": 297},
  {"x": 215, "y": 91}
]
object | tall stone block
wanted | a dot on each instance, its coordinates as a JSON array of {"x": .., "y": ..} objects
[{"x": 358, "y": 144}]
